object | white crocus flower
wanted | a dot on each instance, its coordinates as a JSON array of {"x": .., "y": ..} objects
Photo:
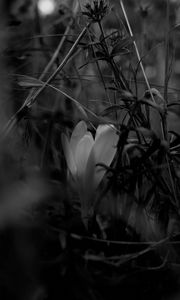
[{"x": 83, "y": 153}]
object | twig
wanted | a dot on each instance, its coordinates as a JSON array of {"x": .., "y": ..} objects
[{"x": 124, "y": 258}]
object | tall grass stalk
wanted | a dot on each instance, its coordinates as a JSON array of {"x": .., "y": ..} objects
[
  {"x": 166, "y": 80},
  {"x": 29, "y": 101},
  {"x": 136, "y": 50},
  {"x": 167, "y": 41},
  {"x": 100, "y": 73},
  {"x": 56, "y": 52}
]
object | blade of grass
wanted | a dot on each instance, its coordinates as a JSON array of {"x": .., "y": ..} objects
[
  {"x": 136, "y": 49},
  {"x": 55, "y": 55},
  {"x": 163, "y": 117},
  {"x": 141, "y": 64},
  {"x": 99, "y": 70},
  {"x": 166, "y": 80},
  {"x": 29, "y": 102},
  {"x": 166, "y": 77}
]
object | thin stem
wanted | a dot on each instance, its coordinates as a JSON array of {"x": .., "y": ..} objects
[
  {"x": 166, "y": 80},
  {"x": 142, "y": 67},
  {"x": 166, "y": 77},
  {"x": 29, "y": 101},
  {"x": 137, "y": 51},
  {"x": 100, "y": 73},
  {"x": 59, "y": 68},
  {"x": 53, "y": 58},
  {"x": 119, "y": 77}
]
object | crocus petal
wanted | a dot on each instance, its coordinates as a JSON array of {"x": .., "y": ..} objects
[
  {"x": 103, "y": 152},
  {"x": 101, "y": 129},
  {"x": 79, "y": 131},
  {"x": 68, "y": 154},
  {"x": 82, "y": 152}
]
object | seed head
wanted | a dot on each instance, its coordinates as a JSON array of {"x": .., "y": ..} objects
[{"x": 97, "y": 10}]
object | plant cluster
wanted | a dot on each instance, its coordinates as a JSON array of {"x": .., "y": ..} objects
[{"x": 98, "y": 146}]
